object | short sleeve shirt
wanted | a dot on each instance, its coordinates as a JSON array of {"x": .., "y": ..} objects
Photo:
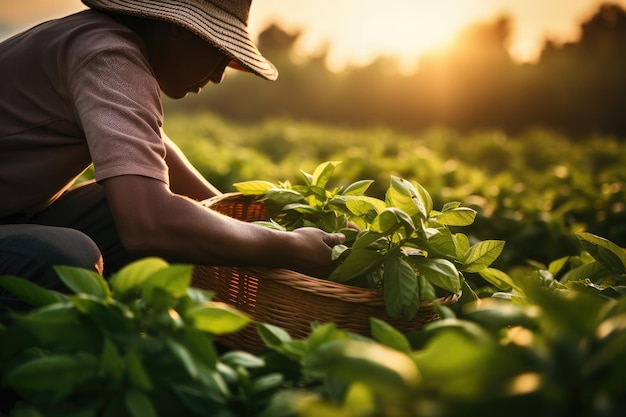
[{"x": 75, "y": 91}]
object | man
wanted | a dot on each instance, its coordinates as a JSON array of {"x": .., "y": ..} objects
[{"x": 86, "y": 89}]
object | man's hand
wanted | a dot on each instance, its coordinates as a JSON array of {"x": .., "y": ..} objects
[{"x": 315, "y": 246}]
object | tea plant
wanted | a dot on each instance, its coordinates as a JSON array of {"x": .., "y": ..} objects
[
  {"x": 557, "y": 349},
  {"x": 403, "y": 246},
  {"x": 144, "y": 346},
  {"x": 141, "y": 346}
]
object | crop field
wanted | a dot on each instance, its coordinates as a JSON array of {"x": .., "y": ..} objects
[
  {"x": 540, "y": 331},
  {"x": 533, "y": 190}
]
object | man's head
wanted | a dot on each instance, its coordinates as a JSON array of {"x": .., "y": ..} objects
[{"x": 222, "y": 23}]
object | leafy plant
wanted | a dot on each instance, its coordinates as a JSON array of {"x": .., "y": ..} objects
[
  {"x": 404, "y": 247},
  {"x": 142, "y": 345},
  {"x": 559, "y": 349},
  {"x": 600, "y": 268}
]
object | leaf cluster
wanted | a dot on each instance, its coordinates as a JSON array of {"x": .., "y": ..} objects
[
  {"x": 400, "y": 245},
  {"x": 555, "y": 347},
  {"x": 139, "y": 345},
  {"x": 560, "y": 353}
]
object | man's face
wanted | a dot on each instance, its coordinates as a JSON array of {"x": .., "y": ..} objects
[{"x": 185, "y": 63}]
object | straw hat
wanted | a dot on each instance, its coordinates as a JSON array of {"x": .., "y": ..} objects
[{"x": 223, "y": 23}]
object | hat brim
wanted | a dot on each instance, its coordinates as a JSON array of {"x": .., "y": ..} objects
[{"x": 221, "y": 29}]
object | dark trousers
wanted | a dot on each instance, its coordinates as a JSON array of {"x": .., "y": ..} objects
[{"x": 76, "y": 230}]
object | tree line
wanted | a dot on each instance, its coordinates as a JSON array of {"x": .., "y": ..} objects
[{"x": 577, "y": 88}]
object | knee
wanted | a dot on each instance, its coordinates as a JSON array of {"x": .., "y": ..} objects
[
  {"x": 30, "y": 249},
  {"x": 70, "y": 247},
  {"x": 79, "y": 250}
]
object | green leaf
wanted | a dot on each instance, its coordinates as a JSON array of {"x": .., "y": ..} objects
[
  {"x": 316, "y": 195},
  {"x": 482, "y": 254},
  {"x": 443, "y": 243},
  {"x": 237, "y": 358},
  {"x": 557, "y": 265},
  {"x": 300, "y": 208},
  {"x": 439, "y": 272},
  {"x": 58, "y": 326},
  {"x": 266, "y": 383},
  {"x": 57, "y": 372},
  {"x": 604, "y": 251},
  {"x": 462, "y": 216},
  {"x": 137, "y": 372},
  {"x": 253, "y": 187},
  {"x": 497, "y": 278},
  {"x": 379, "y": 367},
  {"x": 272, "y": 336},
  {"x": 364, "y": 206},
  {"x": 450, "y": 206},
  {"x": 107, "y": 316},
  {"x": 199, "y": 344},
  {"x": 385, "y": 223},
  {"x": 424, "y": 197},
  {"x": 175, "y": 280},
  {"x": 591, "y": 270},
  {"x": 366, "y": 238},
  {"x": 138, "y": 404},
  {"x": 427, "y": 291},
  {"x": 357, "y": 188},
  {"x": 282, "y": 197},
  {"x": 388, "y": 335},
  {"x": 323, "y": 173},
  {"x": 217, "y": 318},
  {"x": 462, "y": 244},
  {"x": 458, "y": 360},
  {"x": 358, "y": 263},
  {"x": 399, "y": 285},
  {"x": 338, "y": 250},
  {"x": 500, "y": 316},
  {"x": 29, "y": 292},
  {"x": 84, "y": 281},
  {"x": 184, "y": 356},
  {"x": 135, "y": 274},
  {"x": 403, "y": 195},
  {"x": 111, "y": 362},
  {"x": 390, "y": 219}
]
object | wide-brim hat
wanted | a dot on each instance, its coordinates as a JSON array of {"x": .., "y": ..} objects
[{"x": 223, "y": 23}]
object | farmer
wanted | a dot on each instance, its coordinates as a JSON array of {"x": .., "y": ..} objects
[{"x": 86, "y": 89}]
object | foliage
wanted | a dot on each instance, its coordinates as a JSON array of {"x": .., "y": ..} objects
[
  {"x": 554, "y": 345},
  {"x": 554, "y": 349},
  {"x": 141, "y": 346},
  {"x": 403, "y": 246},
  {"x": 533, "y": 190}
]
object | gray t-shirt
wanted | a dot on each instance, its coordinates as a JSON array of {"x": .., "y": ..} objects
[{"x": 75, "y": 91}]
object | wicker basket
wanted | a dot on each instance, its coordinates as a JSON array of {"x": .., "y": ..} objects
[{"x": 289, "y": 299}]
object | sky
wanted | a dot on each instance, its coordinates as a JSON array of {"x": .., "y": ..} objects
[{"x": 357, "y": 31}]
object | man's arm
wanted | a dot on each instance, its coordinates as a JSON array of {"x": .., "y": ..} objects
[
  {"x": 151, "y": 220},
  {"x": 184, "y": 178}
]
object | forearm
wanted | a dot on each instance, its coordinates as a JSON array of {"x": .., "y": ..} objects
[
  {"x": 203, "y": 236},
  {"x": 154, "y": 222},
  {"x": 200, "y": 235}
]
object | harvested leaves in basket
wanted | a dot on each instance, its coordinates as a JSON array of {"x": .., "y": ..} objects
[{"x": 403, "y": 247}]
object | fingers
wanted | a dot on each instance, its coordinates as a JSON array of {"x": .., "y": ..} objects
[{"x": 332, "y": 239}]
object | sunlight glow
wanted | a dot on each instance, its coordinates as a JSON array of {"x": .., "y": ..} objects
[
  {"x": 358, "y": 31},
  {"x": 355, "y": 32}
]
